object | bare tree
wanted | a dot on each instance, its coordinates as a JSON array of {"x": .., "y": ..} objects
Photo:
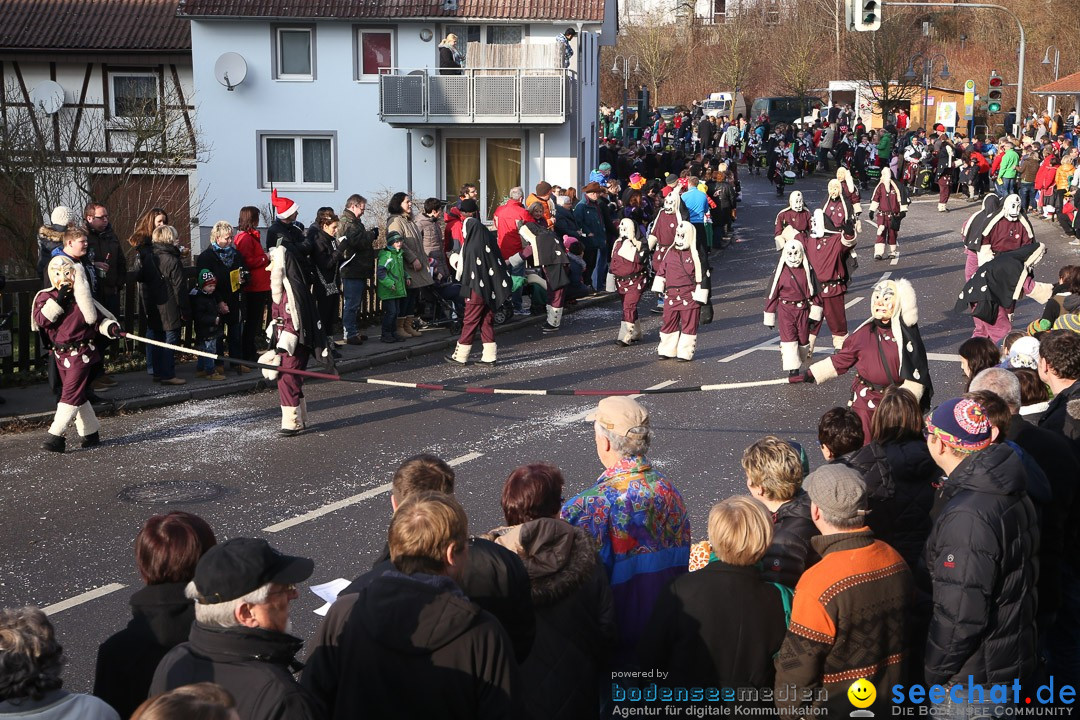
[
  {"x": 798, "y": 67},
  {"x": 131, "y": 163},
  {"x": 737, "y": 52},
  {"x": 660, "y": 48},
  {"x": 878, "y": 61}
]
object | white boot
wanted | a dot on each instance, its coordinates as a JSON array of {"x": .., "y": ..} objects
[
  {"x": 810, "y": 347},
  {"x": 636, "y": 334},
  {"x": 838, "y": 341},
  {"x": 790, "y": 358},
  {"x": 941, "y": 207},
  {"x": 303, "y": 413},
  {"x": 687, "y": 345},
  {"x": 554, "y": 319},
  {"x": 879, "y": 251},
  {"x": 669, "y": 345},
  {"x": 804, "y": 356},
  {"x": 290, "y": 421},
  {"x": 86, "y": 421},
  {"x": 62, "y": 418},
  {"x": 894, "y": 251},
  {"x": 461, "y": 354},
  {"x": 489, "y": 355},
  {"x": 626, "y": 333}
]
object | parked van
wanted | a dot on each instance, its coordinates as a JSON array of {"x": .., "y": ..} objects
[
  {"x": 725, "y": 104},
  {"x": 785, "y": 109}
]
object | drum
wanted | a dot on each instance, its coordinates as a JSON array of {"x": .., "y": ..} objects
[
  {"x": 873, "y": 172},
  {"x": 789, "y": 177}
]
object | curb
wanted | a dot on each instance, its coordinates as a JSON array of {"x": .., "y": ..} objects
[{"x": 19, "y": 423}]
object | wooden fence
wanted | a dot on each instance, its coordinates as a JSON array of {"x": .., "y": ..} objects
[{"x": 26, "y": 363}]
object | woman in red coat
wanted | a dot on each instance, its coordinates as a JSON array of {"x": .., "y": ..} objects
[{"x": 256, "y": 295}]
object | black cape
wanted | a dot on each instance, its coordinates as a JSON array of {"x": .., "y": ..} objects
[
  {"x": 993, "y": 284},
  {"x": 973, "y": 234},
  {"x": 482, "y": 268},
  {"x": 311, "y": 331},
  {"x": 915, "y": 366},
  {"x": 550, "y": 255}
]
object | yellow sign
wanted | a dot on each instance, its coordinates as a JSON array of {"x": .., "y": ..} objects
[{"x": 969, "y": 99}]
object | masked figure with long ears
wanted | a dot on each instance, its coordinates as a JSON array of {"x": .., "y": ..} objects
[
  {"x": 851, "y": 190},
  {"x": 796, "y": 216},
  {"x": 662, "y": 231},
  {"x": 792, "y": 304},
  {"x": 972, "y": 232},
  {"x": 829, "y": 247},
  {"x": 627, "y": 275},
  {"x": 885, "y": 350},
  {"x": 680, "y": 275},
  {"x": 69, "y": 320},
  {"x": 889, "y": 201}
]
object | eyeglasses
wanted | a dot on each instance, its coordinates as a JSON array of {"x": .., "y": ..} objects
[
  {"x": 287, "y": 590},
  {"x": 100, "y": 217}
]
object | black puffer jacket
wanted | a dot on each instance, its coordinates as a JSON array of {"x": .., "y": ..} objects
[
  {"x": 357, "y": 250},
  {"x": 982, "y": 560},
  {"x": 790, "y": 552},
  {"x": 900, "y": 479},
  {"x": 575, "y": 618}
]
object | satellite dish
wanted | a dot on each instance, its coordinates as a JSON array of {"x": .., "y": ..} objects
[
  {"x": 48, "y": 95},
  {"x": 230, "y": 70}
]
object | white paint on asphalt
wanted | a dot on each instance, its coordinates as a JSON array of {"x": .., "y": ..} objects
[
  {"x": 578, "y": 417},
  {"x": 943, "y": 357},
  {"x": 82, "y": 598},
  {"x": 335, "y": 506}
]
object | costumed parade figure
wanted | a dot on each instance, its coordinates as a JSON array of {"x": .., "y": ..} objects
[
  {"x": 69, "y": 320},
  {"x": 485, "y": 286},
  {"x": 885, "y": 350},
  {"x": 679, "y": 275},
  {"x": 972, "y": 232},
  {"x": 295, "y": 332},
  {"x": 548, "y": 254},
  {"x": 795, "y": 215},
  {"x": 851, "y": 192},
  {"x": 890, "y": 202},
  {"x": 662, "y": 231},
  {"x": 832, "y": 237},
  {"x": 627, "y": 274},
  {"x": 792, "y": 304}
]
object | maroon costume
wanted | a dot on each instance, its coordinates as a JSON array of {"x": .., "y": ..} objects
[
  {"x": 790, "y": 300},
  {"x": 629, "y": 278},
  {"x": 73, "y": 341},
  {"x": 872, "y": 376},
  {"x": 798, "y": 219},
  {"x": 827, "y": 255},
  {"x": 888, "y": 202},
  {"x": 680, "y": 275}
]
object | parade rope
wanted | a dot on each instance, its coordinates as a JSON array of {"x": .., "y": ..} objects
[{"x": 456, "y": 388}]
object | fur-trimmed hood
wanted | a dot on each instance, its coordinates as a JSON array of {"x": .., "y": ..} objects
[
  {"x": 559, "y": 557},
  {"x": 909, "y": 306},
  {"x": 49, "y": 233}
]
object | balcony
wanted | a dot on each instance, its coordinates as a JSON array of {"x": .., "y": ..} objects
[{"x": 479, "y": 96}]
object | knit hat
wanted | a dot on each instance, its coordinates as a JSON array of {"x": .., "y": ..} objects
[
  {"x": 838, "y": 490},
  {"x": 543, "y": 188},
  {"x": 469, "y": 205},
  {"x": 1024, "y": 353},
  {"x": 206, "y": 277},
  {"x": 283, "y": 206},
  {"x": 394, "y": 237},
  {"x": 1069, "y": 321},
  {"x": 671, "y": 179},
  {"x": 961, "y": 424},
  {"x": 61, "y": 217},
  {"x": 604, "y": 166},
  {"x": 1038, "y": 326}
]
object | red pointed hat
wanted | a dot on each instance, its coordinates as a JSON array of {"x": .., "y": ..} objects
[{"x": 283, "y": 206}]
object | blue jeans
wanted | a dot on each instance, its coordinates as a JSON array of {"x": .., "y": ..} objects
[
  {"x": 599, "y": 276},
  {"x": 202, "y": 363},
  {"x": 1027, "y": 196},
  {"x": 354, "y": 289},
  {"x": 390, "y": 309},
  {"x": 1006, "y": 187},
  {"x": 165, "y": 360}
]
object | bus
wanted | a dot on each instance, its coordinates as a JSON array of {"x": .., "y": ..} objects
[{"x": 785, "y": 109}]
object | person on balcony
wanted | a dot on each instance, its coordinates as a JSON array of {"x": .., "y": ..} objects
[
  {"x": 564, "y": 44},
  {"x": 450, "y": 60}
]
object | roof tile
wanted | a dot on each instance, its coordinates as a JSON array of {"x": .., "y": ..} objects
[
  {"x": 93, "y": 25},
  {"x": 556, "y": 10},
  {"x": 1067, "y": 84}
]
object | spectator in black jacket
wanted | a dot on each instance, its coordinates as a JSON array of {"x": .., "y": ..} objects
[
  {"x": 774, "y": 475},
  {"x": 494, "y": 577},
  {"x": 410, "y": 645},
  {"x": 206, "y": 316},
  {"x": 357, "y": 264},
  {"x": 166, "y": 286},
  {"x": 166, "y": 551},
  {"x": 1059, "y": 367},
  {"x": 227, "y": 264},
  {"x": 242, "y": 591},
  {"x": 981, "y": 556},
  {"x": 840, "y": 434},
  {"x": 326, "y": 257},
  {"x": 565, "y": 224}
]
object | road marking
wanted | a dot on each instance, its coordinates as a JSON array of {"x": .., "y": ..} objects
[
  {"x": 335, "y": 506},
  {"x": 943, "y": 357},
  {"x": 82, "y": 598},
  {"x": 577, "y": 417},
  {"x": 773, "y": 342},
  {"x": 850, "y": 303}
]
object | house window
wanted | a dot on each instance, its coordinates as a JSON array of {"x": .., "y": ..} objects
[
  {"x": 374, "y": 53},
  {"x": 306, "y": 161},
  {"x": 493, "y": 164},
  {"x": 484, "y": 35},
  {"x": 134, "y": 94},
  {"x": 294, "y": 54}
]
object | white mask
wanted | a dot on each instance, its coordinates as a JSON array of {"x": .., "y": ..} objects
[
  {"x": 61, "y": 271},
  {"x": 795, "y": 201},
  {"x": 684, "y": 236},
  {"x": 793, "y": 254},
  {"x": 886, "y": 175},
  {"x": 834, "y": 189},
  {"x": 884, "y": 301},
  {"x": 817, "y": 224},
  {"x": 671, "y": 202},
  {"x": 1012, "y": 207},
  {"x": 627, "y": 229}
]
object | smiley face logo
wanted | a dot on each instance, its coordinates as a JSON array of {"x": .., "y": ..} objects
[{"x": 862, "y": 693}]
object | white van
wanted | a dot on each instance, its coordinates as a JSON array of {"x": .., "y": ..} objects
[{"x": 725, "y": 104}]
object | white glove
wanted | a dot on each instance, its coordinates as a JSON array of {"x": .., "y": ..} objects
[
  {"x": 770, "y": 320},
  {"x": 652, "y": 240},
  {"x": 779, "y": 242},
  {"x": 658, "y": 284},
  {"x": 985, "y": 255},
  {"x": 1041, "y": 293},
  {"x": 816, "y": 312},
  {"x": 609, "y": 284},
  {"x": 270, "y": 358},
  {"x": 455, "y": 263},
  {"x": 287, "y": 342},
  {"x": 700, "y": 295}
]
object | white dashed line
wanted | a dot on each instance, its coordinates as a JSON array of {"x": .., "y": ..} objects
[{"x": 82, "y": 598}]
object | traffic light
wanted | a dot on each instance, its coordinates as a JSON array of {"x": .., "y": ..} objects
[
  {"x": 864, "y": 15},
  {"x": 993, "y": 95}
]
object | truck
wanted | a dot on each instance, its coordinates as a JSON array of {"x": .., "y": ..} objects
[{"x": 724, "y": 104}]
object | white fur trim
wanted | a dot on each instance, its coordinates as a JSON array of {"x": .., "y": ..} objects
[
  {"x": 857, "y": 207},
  {"x": 637, "y": 331},
  {"x": 270, "y": 357},
  {"x": 789, "y": 356},
  {"x": 277, "y": 272},
  {"x": 816, "y": 312},
  {"x": 909, "y": 307},
  {"x": 879, "y": 249},
  {"x": 700, "y": 295},
  {"x": 823, "y": 370},
  {"x": 1041, "y": 293},
  {"x": 52, "y": 310},
  {"x": 770, "y": 319},
  {"x": 686, "y": 347},
  {"x": 915, "y": 388},
  {"x": 985, "y": 254},
  {"x": 658, "y": 284},
  {"x": 626, "y": 332},
  {"x": 83, "y": 298},
  {"x": 609, "y": 284},
  {"x": 461, "y": 353},
  {"x": 287, "y": 342},
  {"x": 86, "y": 421},
  {"x": 554, "y": 316},
  {"x": 838, "y": 341},
  {"x": 62, "y": 419},
  {"x": 105, "y": 324},
  {"x": 668, "y": 346},
  {"x": 290, "y": 418},
  {"x": 489, "y": 353}
]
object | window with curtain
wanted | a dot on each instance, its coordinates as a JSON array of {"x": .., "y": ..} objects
[
  {"x": 504, "y": 34},
  {"x": 375, "y": 52},
  {"x": 503, "y": 170},
  {"x": 134, "y": 94},
  {"x": 462, "y": 164},
  {"x": 300, "y": 161},
  {"x": 295, "y": 59}
]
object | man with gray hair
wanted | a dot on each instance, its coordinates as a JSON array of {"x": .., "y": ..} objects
[
  {"x": 509, "y": 217},
  {"x": 636, "y": 513},
  {"x": 241, "y": 637},
  {"x": 850, "y": 612}
]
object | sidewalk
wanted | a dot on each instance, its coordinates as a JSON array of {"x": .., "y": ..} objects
[{"x": 33, "y": 406}]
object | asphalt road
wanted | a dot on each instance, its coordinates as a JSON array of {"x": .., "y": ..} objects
[{"x": 68, "y": 522}]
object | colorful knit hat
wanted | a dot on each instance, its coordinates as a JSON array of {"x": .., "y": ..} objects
[
  {"x": 636, "y": 181},
  {"x": 206, "y": 277},
  {"x": 1038, "y": 326},
  {"x": 961, "y": 424},
  {"x": 1070, "y": 322}
]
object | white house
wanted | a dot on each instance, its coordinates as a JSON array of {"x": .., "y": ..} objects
[
  {"x": 706, "y": 12},
  {"x": 344, "y": 96}
]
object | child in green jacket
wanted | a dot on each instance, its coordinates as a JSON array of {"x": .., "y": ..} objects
[{"x": 391, "y": 286}]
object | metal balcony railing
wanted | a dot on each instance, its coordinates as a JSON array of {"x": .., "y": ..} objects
[{"x": 478, "y": 95}]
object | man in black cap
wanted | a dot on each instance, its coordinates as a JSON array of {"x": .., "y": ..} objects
[
  {"x": 564, "y": 42},
  {"x": 240, "y": 640}
]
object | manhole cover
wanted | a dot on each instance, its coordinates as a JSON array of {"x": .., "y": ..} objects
[{"x": 172, "y": 491}]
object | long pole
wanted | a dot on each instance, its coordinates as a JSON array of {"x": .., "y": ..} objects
[
  {"x": 985, "y": 6},
  {"x": 928, "y": 69}
]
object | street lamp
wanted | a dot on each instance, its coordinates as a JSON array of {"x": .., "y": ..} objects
[
  {"x": 625, "y": 72},
  {"x": 1051, "y": 101},
  {"x": 927, "y": 74}
]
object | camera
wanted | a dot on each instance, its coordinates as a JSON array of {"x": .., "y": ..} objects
[{"x": 245, "y": 275}]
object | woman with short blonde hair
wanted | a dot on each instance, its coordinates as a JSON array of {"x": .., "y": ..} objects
[{"x": 739, "y": 530}]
